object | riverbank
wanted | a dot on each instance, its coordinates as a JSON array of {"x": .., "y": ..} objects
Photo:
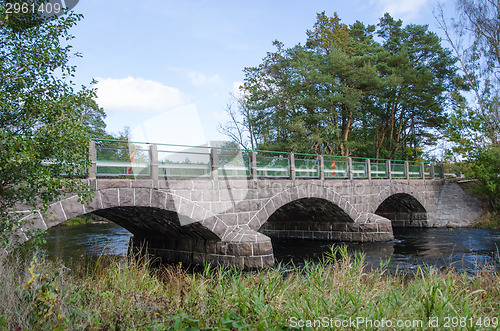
[
  {"x": 490, "y": 218},
  {"x": 129, "y": 294}
]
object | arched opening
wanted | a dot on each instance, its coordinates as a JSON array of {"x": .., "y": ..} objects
[
  {"x": 85, "y": 236},
  {"x": 309, "y": 218},
  {"x": 403, "y": 210},
  {"x": 163, "y": 233},
  {"x": 155, "y": 223}
]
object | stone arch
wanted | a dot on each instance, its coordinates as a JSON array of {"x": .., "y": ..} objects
[
  {"x": 188, "y": 212},
  {"x": 300, "y": 192},
  {"x": 403, "y": 210},
  {"x": 399, "y": 188},
  {"x": 309, "y": 218}
]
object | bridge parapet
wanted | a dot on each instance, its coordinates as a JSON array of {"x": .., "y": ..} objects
[{"x": 114, "y": 158}]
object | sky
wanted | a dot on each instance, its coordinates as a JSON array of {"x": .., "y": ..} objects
[{"x": 167, "y": 69}]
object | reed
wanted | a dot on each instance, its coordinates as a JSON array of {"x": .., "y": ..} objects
[{"x": 131, "y": 293}]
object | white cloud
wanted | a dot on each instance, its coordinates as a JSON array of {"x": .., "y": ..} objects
[
  {"x": 137, "y": 95},
  {"x": 401, "y": 9}
]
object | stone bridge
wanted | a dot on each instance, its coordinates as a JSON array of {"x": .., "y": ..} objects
[{"x": 233, "y": 220}]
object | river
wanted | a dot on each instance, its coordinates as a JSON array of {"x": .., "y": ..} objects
[{"x": 466, "y": 250}]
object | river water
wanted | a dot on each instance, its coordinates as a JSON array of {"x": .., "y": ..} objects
[{"x": 466, "y": 250}]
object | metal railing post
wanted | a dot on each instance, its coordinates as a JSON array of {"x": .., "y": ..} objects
[
  {"x": 407, "y": 170},
  {"x": 92, "y": 171},
  {"x": 321, "y": 167},
  {"x": 253, "y": 165},
  {"x": 368, "y": 169},
  {"x": 389, "y": 170},
  {"x": 291, "y": 160},
  {"x": 153, "y": 162},
  {"x": 350, "y": 173},
  {"x": 214, "y": 162}
]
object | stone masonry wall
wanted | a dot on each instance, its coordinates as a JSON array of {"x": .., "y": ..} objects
[{"x": 234, "y": 210}]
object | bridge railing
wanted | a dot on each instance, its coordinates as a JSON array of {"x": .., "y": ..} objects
[{"x": 114, "y": 158}]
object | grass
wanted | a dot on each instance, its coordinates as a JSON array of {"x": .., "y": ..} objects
[
  {"x": 118, "y": 294},
  {"x": 487, "y": 220}
]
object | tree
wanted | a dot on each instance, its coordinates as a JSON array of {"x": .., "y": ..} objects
[
  {"x": 475, "y": 39},
  {"x": 475, "y": 123},
  {"x": 239, "y": 128},
  {"x": 344, "y": 93},
  {"x": 44, "y": 130}
]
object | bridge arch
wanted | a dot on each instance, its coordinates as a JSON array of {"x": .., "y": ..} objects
[
  {"x": 354, "y": 225},
  {"x": 403, "y": 210},
  {"x": 111, "y": 198},
  {"x": 116, "y": 204},
  {"x": 291, "y": 194},
  {"x": 309, "y": 218},
  {"x": 399, "y": 188}
]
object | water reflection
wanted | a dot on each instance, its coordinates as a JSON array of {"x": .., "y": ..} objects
[
  {"x": 71, "y": 242},
  {"x": 466, "y": 250},
  {"x": 463, "y": 249}
]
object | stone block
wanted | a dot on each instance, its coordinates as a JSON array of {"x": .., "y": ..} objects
[
  {"x": 338, "y": 226},
  {"x": 277, "y": 201},
  {"x": 239, "y": 249},
  {"x": 269, "y": 208},
  {"x": 158, "y": 199},
  {"x": 254, "y": 223},
  {"x": 320, "y": 235},
  {"x": 143, "y": 197},
  {"x": 186, "y": 194},
  {"x": 352, "y": 227},
  {"x": 33, "y": 221},
  {"x": 210, "y": 195},
  {"x": 262, "y": 216},
  {"x": 243, "y": 218},
  {"x": 355, "y": 236},
  {"x": 262, "y": 248},
  {"x": 203, "y": 184},
  {"x": 72, "y": 207},
  {"x": 368, "y": 227},
  {"x": 219, "y": 228},
  {"x": 126, "y": 197},
  {"x": 252, "y": 194},
  {"x": 96, "y": 203},
  {"x": 142, "y": 183},
  {"x": 196, "y": 195},
  {"x": 198, "y": 213},
  {"x": 103, "y": 184},
  {"x": 253, "y": 262},
  {"x": 109, "y": 198}
]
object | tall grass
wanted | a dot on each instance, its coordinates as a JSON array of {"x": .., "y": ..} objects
[{"x": 116, "y": 294}]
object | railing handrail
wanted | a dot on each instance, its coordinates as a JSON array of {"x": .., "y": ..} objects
[{"x": 267, "y": 151}]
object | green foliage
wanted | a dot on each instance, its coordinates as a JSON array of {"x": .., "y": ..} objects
[
  {"x": 120, "y": 294},
  {"x": 44, "y": 122},
  {"x": 486, "y": 168},
  {"x": 474, "y": 127},
  {"x": 344, "y": 93}
]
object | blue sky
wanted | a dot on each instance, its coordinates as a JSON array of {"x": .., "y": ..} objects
[{"x": 166, "y": 69}]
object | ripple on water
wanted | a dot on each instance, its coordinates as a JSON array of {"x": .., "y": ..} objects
[{"x": 464, "y": 249}]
